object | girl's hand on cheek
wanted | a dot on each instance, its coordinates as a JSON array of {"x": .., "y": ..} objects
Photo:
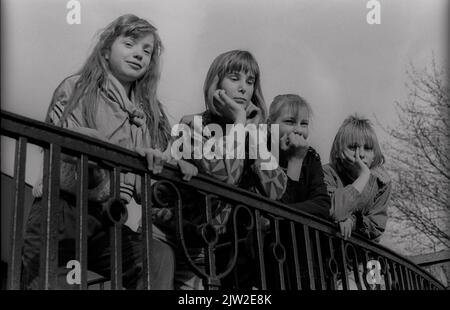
[
  {"x": 229, "y": 108},
  {"x": 348, "y": 158},
  {"x": 253, "y": 113},
  {"x": 353, "y": 162},
  {"x": 210, "y": 94}
]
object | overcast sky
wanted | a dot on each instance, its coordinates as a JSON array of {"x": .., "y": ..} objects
[{"x": 322, "y": 50}]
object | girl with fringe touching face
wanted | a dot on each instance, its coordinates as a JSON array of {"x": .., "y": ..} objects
[
  {"x": 233, "y": 96},
  {"x": 357, "y": 182}
]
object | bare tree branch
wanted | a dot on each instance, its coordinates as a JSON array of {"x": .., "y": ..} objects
[{"x": 418, "y": 154}]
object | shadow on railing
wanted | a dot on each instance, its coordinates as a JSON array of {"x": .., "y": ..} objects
[{"x": 267, "y": 245}]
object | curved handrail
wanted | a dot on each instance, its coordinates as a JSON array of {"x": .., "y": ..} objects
[{"x": 43, "y": 134}]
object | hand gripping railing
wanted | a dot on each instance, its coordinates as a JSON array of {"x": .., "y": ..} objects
[{"x": 265, "y": 244}]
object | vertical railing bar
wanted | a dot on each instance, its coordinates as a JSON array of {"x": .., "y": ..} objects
[
  {"x": 365, "y": 259},
  {"x": 309, "y": 259},
  {"x": 49, "y": 249},
  {"x": 319, "y": 261},
  {"x": 399, "y": 277},
  {"x": 411, "y": 277},
  {"x": 343, "y": 265},
  {"x": 116, "y": 238},
  {"x": 410, "y": 280},
  {"x": 213, "y": 282},
  {"x": 417, "y": 280},
  {"x": 280, "y": 263},
  {"x": 387, "y": 276},
  {"x": 82, "y": 207},
  {"x": 400, "y": 274},
  {"x": 392, "y": 275},
  {"x": 355, "y": 268},
  {"x": 396, "y": 276},
  {"x": 422, "y": 283},
  {"x": 405, "y": 276},
  {"x": 14, "y": 268},
  {"x": 296, "y": 259},
  {"x": 259, "y": 239},
  {"x": 147, "y": 228},
  {"x": 333, "y": 275},
  {"x": 414, "y": 280}
]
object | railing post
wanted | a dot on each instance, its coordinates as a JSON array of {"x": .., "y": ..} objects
[
  {"x": 406, "y": 278},
  {"x": 332, "y": 264},
  {"x": 319, "y": 261},
  {"x": 396, "y": 281},
  {"x": 412, "y": 280},
  {"x": 365, "y": 259},
  {"x": 147, "y": 228},
  {"x": 116, "y": 237},
  {"x": 213, "y": 283},
  {"x": 309, "y": 258},
  {"x": 82, "y": 214},
  {"x": 343, "y": 265},
  {"x": 296, "y": 258},
  {"x": 280, "y": 254},
  {"x": 386, "y": 273},
  {"x": 50, "y": 219},
  {"x": 260, "y": 241},
  {"x": 14, "y": 268},
  {"x": 400, "y": 276}
]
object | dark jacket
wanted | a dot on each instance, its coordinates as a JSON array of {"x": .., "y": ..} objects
[{"x": 309, "y": 193}]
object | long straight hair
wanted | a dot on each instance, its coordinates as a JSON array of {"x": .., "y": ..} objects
[{"x": 93, "y": 76}]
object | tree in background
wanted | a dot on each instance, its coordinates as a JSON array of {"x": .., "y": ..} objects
[{"x": 418, "y": 158}]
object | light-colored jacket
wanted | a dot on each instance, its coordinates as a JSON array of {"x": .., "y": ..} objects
[
  {"x": 115, "y": 122},
  {"x": 368, "y": 209}
]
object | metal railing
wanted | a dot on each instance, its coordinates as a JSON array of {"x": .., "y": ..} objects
[{"x": 267, "y": 245}]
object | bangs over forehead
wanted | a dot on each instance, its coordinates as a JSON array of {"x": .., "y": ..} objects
[
  {"x": 128, "y": 26},
  {"x": 137, "y": 30},
  {"x": 357, "y": 133},
  {"x": 289, "y": 104},
  {"x": 356, "y": 130},
  {"x": 239, "y": 61}
]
